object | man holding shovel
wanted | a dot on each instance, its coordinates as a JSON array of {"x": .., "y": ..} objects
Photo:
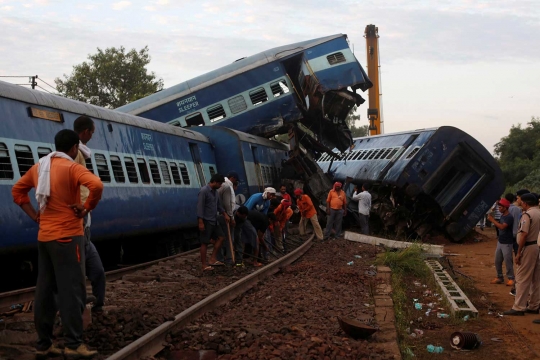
[{"x": 228, "y": 201}]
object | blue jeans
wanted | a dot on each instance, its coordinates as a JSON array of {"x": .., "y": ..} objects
[{"x": 334, "y": 222}]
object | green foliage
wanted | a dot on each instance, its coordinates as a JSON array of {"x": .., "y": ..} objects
[
  {"x": 111, "y": 78},
  {"x": 519, "y": 153},
  {"x": 352, "y": 120},
  {"x": 407, "y": 261}
]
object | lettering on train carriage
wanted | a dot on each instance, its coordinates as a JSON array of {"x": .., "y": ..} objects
[
  {"x": 45, "y": 114},
  {"x": 187, "y": 104}
]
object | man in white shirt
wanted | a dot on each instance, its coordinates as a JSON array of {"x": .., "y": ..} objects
[{"x": 364, "y": 207}]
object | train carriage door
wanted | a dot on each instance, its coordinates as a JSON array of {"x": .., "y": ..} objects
[
  {"x": 196, "y": 156},
  {"x": 258, "y": 169}
]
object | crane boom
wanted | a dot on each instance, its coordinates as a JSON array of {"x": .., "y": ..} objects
[{"x": 372, "y": 50}]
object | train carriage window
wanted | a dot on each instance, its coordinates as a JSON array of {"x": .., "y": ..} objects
[
  {"x": 412, "y": 153},
  {"x": 118, "y": 171},
  {"x": 237, "y": 104},
  {"x": 185, "y": 174},
  {"x": 258, "y": 96},
  {"x": 102, "y": 167},
  {"x": 336, "y": 58},
  {"x": 175, "y": 174},
  {"x": 379, "y": 154},
  {"x": 372, "y": 154},
  {"x": 89, "y": 165},
  {"x": 212, "y": 171},
  {"x": 6, "y": 169},
  {"x": 143, "y": 170},
  {"x": 274, "y": 173},
  {"x": 392, "y": 153},
  {"x": 42, "y": 151},
  {"x": 25, "y": 158},
  {"x": 154, "y": 171},
  {"x": 367, "y": 155},
  {"x": 385, "y": 153},
  {"x": 357, "y": 155},
  {"x": 165, "y": 172},
  {"x": 131, "y": 171},
  {"x": 195, "y": 119},
  {"x": 216, "y": 113},
  {"x": 279, "y": 88},
  {"x": 350, "y": 155}
]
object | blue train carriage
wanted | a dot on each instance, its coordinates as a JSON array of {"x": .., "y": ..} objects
[
  {"x": 152, "y": 172},
  {"x": 257, "y": 160},
  {"x": 314, "y": 82},
  {"x": 421, "y": 179}
]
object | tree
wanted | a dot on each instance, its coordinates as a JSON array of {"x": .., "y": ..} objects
[
  {"x": 111, "y": 78},
  {"x": 356, "y": 131},
  {"x": 518, "y": 153}
]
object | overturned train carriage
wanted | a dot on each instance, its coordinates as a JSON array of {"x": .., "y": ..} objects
[
  {"x": 312, "y": 83},
  {"x": 423, "y": 179}
]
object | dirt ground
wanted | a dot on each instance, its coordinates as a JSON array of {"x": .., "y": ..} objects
[{"x": 503, "y": 337}]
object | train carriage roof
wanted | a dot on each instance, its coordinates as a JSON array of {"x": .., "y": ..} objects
[
  {"x": 40, "y": 98},
  {"x": 242, "y": 136},
  {"x": 223, "y": 73}
]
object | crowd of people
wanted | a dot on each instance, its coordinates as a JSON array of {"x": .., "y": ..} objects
[
  {"x": 517, "y": 222},
  {"x": 67, "y": 192}
]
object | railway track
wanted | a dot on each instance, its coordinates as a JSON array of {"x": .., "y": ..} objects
[
  {"x": 153, "y": 342},
  {"x": 9, "y": 298}
]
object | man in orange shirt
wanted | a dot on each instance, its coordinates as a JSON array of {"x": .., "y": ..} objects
[
  {"x": 61, "y": 251},
  {"x": 336, "y": 203},
  {"x": 308, "y": 212},
  {"x": 283, "y": 213}
]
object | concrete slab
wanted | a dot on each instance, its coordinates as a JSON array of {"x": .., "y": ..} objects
[{"x": 394, "y": 244}]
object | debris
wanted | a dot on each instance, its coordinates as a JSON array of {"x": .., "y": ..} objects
[
  {"x": 416, "y": 283},
  {"x": 418, "y": 306},
  {"x": 466, "y": 317},
  {"x": 465, "y": 340},
  {"x": 358, "y": 256},
  {"x": 350, "y": 263},
  {"x": 419, "y": 332},
  {"x": 496, "y": 339},
  {"x": 442, "y": 315},
  {"x": 427, "y": 312},
  {"x": 434, "y": 349},
  {"x": 409, "y": 352},
  {"x": 356, "y": 329}
]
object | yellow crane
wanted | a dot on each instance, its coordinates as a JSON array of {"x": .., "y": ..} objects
[{"x": 372, "y": 50}]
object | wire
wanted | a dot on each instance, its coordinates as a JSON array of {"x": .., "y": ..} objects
[
  {"x": 43, "y": 89},
  {"x": 47, "y": 83},
  {"x": 10, "y": 76}
]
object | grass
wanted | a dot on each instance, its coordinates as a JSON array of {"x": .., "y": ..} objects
[{"x": 404, "y": 263}]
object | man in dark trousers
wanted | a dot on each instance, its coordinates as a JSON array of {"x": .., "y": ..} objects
[
  {"x": 84, "y": 127},
  {"x": 208, "y": 205},
  {"x": 61, "y": 251}
]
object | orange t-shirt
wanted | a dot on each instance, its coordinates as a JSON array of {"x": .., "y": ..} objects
[
  {"x": 305, "y": 205},
  {"x": 336, "y": 201},
  {"x": 283, "y": 215},
  {"x": 58, "y": 221}
]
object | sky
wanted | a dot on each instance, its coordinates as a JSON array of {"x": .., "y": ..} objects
[{"x": 474, "y": 65}]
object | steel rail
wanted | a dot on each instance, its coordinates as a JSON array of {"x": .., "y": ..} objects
[
  {"x": 27, "y": 294},
  {"x": 153, "y": 342}
]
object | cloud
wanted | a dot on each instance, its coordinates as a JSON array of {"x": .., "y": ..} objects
[
  {"x": 149, "y": 8},
  {"x": 6, "y": 8},
  {"x": 121, "y": 5}
]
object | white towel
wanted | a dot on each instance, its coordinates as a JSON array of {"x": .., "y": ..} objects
[
  {"x": 85, "y": 150},
  {"x": 43, "y": 188}
]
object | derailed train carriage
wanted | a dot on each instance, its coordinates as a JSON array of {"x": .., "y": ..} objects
[{"x": 423, "y": 179}]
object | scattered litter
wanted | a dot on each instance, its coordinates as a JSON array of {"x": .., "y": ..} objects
[
  {"x": 419, "y": 332},
  {"x": 358, "y": 256},
  {"x": 427, "y": 292},
  {"x": 496, "y": 339},
  {"x": 366, "y": 305},
  {"x": 408, "y": 330},
  {"x": 350, "y": 263},
  {"x": 413, "y": 335},
  {"x": 414, "y": 300},
  {"x": 418, "y": 306},
  {"x": 434, "y": 349},
  {"x": 483, "y": 298},
  {"x": 466, "y": 317},
  {"x": 442, "y": 315},
  {"x": 416, "y": 283},
  {"x": 430, "y": 305},
  {"x": 409, "y": 352},
  {"x": 419, "y": 319},
  {"x": 427, "y": 312}
]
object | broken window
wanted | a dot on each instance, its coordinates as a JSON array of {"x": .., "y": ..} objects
[
  {"x": 237, "y": 104},
  {"x": 195, "y": 120},
  {"x": 258, "y": 96},
  {"x": 336, "y": 58},
  {"x": 216, "y": 113},
  {"x": 279, "y": 88}
]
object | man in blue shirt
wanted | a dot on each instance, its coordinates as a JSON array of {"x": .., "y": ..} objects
[
  {"x": 505, "y": 244},
  {"x": 208, "y": 205},
  {"x": 261, "y": 201}
]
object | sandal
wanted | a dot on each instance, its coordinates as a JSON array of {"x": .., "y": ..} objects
[
  {"x": 257, "y": 264},
  {"x": 217, "y": 263},
  {"x": 208, "y": 268}
]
